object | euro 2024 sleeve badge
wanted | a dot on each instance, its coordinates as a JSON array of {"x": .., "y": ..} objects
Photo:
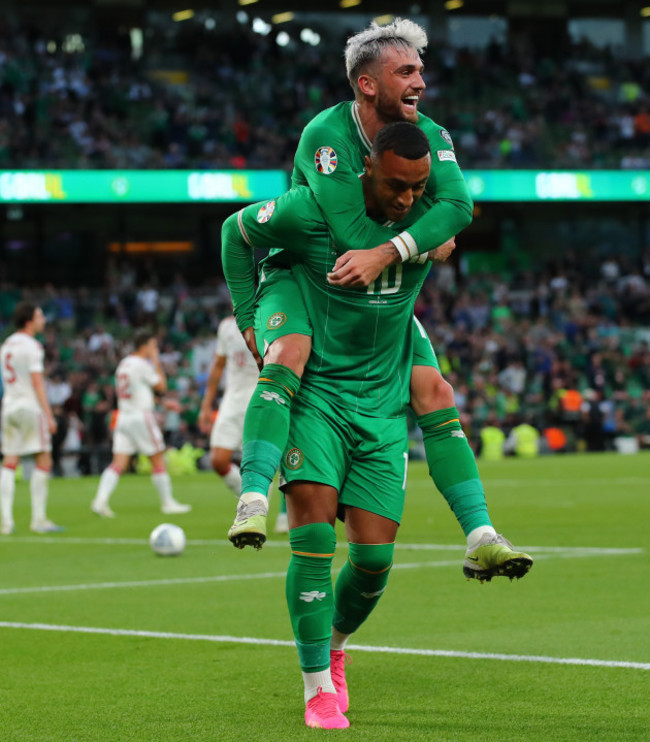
[
  {"x": 326, "y": 160},
  {"x": 266, "y": 212}
]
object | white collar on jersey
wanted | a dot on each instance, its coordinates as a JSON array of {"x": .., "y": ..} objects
[{"x": 356, "y": 116}]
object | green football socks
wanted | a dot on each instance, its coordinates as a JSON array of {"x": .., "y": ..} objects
[
  {"x": 266, "y": 426},
  {"x": 310, "y": 594},
  {"x": 360, "y": 584},
  {"x": 452, "y": 467}
]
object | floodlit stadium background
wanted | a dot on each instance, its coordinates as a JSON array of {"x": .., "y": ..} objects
[{"x": 128, "y": 132}]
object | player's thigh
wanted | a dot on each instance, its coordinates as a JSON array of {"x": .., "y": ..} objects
[
  {"x": 318, "y": 444},
  {"x": 281, "y": 321},
  {"x": 310, "y": 502},
  {"x": 376, "y": 480},
  {"x": 364, "y": 527},
  {"x": 25, "y": 432},
  {"x": 429, "y": 391}
]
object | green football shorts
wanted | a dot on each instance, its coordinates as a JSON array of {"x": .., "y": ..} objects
[
  {"x": 423, "y": 352},
  {"x": 364, "y": 458},
  {"x": 279, "y": 308}
]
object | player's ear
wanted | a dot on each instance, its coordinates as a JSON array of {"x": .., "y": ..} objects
[{"x": 367, "y": 85}]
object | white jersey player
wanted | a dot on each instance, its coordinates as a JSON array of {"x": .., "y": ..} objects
[
  {"x": 27, "y": 420},
  {"x": 138, "y": 376},
  {"x": 241, "y": 373}
]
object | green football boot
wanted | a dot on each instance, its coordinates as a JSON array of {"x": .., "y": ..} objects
[
  {"x": 249, "y": 527},
  {"x": 494, "y": 556}
]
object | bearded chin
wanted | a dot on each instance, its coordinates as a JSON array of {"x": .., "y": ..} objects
[{"x": 390, "y": 111}]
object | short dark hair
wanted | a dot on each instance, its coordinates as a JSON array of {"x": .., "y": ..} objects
[
  {"x": 404, "y": 139},
  {"x": 142, "y": 337},
  {"x": 24, "y": 313}
]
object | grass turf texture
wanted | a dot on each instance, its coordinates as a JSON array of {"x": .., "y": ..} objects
[{"x": 574, "y": 604}]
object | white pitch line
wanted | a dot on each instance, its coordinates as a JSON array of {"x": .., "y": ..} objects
[
  {"x": 138, "y": 583},
  {"x": 358, "y": 647},
  {"x": 185, "y": 580},
  {"x": 596, "y": 481},
  {"x": 596, "y": 550},
  {"x": 265, "y": 575}
]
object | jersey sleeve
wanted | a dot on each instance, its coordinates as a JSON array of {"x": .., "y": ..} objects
[
  {"x": 337, "y": 188},
  {"x": 277, "y": 224},
  {"x": 450, "y": 205},
  {"x": 148, "y": 373},
  {"x": 36, "y": 357}
]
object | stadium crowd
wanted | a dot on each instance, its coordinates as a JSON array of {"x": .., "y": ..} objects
[
  {"x": 231, "y": 98},
  {"x": 554, "y": 349}
]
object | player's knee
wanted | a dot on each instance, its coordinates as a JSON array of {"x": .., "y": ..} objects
[
  {"x": 220, "y": 463},
  {"x": 431, "y": 392},
  {"x": 290, "y": 351},
  {"x": 43, "y": 462},
  {"x": 373, "y": 559}
]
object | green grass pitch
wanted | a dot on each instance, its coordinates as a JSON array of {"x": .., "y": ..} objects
[{"x": 102, "y": 640}]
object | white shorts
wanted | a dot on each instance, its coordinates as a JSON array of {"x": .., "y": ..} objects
[
  {"x": 25, "y": 432},
  {"x": 228, "y": 429},
  {"x": 137, "y": 433}
]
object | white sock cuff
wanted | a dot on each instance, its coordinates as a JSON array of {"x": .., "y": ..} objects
[
  {"x": 473, "y": 537},
  {"x": 315, "y": 680},
  {"x": 338, "y": 640},
  {"x": 249, "y": 497}
]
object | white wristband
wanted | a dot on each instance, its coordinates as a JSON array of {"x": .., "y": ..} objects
[{"x": 405, "y": 245}]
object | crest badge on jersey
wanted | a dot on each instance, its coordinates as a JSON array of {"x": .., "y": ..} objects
[
  {"x": 447, "y": 137},
  {"x": 326, "y": 160},
  {"x": 266, "y": 212},
  {"x": 277, "y": 319},
  {"x": 294, "y": 459}
]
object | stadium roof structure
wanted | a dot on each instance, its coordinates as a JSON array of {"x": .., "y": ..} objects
[{"x": 505, "y": 8}]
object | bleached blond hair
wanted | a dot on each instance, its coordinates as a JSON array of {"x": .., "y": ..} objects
[{"x": 368, "y": 45}]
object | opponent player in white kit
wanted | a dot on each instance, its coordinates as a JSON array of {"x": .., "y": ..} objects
[
  {"x": 27, "y": 420},
  {"x": 138, "y": 376},
  {"x": 232, "y": 355}
]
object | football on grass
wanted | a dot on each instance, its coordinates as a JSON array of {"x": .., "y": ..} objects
[{"x": 167, "y": 539}]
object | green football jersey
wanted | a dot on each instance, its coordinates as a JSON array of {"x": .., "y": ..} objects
[
  {"x": 362, "y": 338},
  {"x": 331, "y": 154}
]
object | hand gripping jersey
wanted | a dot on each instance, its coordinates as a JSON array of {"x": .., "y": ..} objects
[
  {"x": 20, "y": 356},
  {"x": 362, "y": 338},
  {"x": 134, "y": 380}
]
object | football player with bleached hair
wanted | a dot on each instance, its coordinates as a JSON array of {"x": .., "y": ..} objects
[
  {"x": 385, "y": 72},
  {"x": 368, "y": 45}
]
